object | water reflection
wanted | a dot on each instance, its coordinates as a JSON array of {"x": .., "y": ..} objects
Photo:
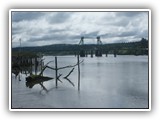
[
  {"x": 31, "y": 84},
  {"x": 32, "y": 70},
  {"x": 32, "y": 66}
]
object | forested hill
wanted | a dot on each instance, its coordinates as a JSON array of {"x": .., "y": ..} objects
[{"x": 130, "y": 48}]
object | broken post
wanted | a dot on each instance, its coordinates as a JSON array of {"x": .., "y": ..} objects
[
  {"x": 78, "y": 73},
  {"x": 56, "y": 72}
]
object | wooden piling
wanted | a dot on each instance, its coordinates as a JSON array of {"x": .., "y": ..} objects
[
  {"x": 36, "y": 66},
  {"x": 42, "y": 66},
  {"x": 56, "y": 70},
  {"x": 78, "y": 73}
]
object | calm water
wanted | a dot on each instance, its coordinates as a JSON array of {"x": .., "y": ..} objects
[{"x": 106, "y": 82}]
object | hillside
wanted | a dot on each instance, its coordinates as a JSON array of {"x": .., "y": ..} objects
[{"x": 131, "y": 48}]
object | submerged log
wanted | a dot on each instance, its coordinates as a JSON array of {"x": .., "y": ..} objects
[{"x": 36, "y": 79}]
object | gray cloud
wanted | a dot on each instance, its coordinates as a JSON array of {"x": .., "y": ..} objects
[
  {"x": 41, "y": 28},
  {"x": 56, "y": 30},
  {"x": 129, "y": 14},
  {"x": 59, "y": 17},
  {"x": 90, "y": 34},
  {"x": 127, "y": 34},
  {"x": 143, "y": 34},
  {"x": 121, "y": 22},
  {"x": 20, "y": 16},
  {"x": 16, "y": 30},
  {"x": 53, "y": 37}
]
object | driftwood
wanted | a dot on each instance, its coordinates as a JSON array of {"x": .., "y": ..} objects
[
  {"x": 44, "y": 88},
  {"x": 70, "y": 81},
  {"x": 37, "y": 78},
  {"x": 66, "y": 77},
  {"x": 69, "y": 73},
  {"x": 34, "y": 79},
  {"x": 42, "y": 59},
  {"x": 59, "y": 77},
  {"x": 69, "y": 66},
  {"x": 46, "y": 66}
]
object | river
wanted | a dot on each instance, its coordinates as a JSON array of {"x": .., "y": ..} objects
[{"x": 105, "y": 82}]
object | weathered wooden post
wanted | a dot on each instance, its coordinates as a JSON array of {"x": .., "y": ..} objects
[
  {"x": 36, "y": 65},
  {"x": 78, "y": 73},
  {"x": 56, "y": 70},
  {"x": 30, "y": 72},
  {"x": 41, "y": 66}
]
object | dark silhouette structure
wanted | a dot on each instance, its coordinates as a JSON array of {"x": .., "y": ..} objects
[{"x": 97, "y": 50}]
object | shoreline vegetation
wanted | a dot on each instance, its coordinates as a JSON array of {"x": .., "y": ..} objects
[{"x": 130, "y": 48}]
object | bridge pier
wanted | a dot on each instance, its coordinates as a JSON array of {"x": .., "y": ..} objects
[
  {"x": 86, "y": 54},
  {"x": 106, "y": 54},
  {"x": 98, "y": 53},
  {"x": 115, "y": 53},
  {"x": 82, "y": 53},
  {"x": 91, "y": 53}
]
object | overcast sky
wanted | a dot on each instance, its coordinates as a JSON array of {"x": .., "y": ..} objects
[{"x": 45, "y": 28}]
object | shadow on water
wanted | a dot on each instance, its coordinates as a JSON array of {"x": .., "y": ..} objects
[
  {"x": 31, "y": 80},
  {"x": 31, "y": 84}
]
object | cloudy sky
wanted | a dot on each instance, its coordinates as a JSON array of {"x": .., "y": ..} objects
[{"x": 44, "y": 28}]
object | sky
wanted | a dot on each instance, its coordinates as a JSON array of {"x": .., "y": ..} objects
[{"x": 46, "y": 28}]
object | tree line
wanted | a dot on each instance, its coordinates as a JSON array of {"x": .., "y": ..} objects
[{"x": 128, "y": 48}]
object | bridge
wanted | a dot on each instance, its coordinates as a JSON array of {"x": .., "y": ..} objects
[{"x": 97, "y": 49}]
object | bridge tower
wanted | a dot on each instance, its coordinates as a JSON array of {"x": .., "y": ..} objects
[
  {"x": 99, "y": 42},
  {"x": 81, "y": 41},
  {"x": 98, "y": 52}
]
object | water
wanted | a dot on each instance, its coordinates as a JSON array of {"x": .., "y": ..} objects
[{"x": 106, "y": 82}]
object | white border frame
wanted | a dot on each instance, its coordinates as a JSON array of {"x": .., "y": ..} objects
[{"x": 80, "y": 10}]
